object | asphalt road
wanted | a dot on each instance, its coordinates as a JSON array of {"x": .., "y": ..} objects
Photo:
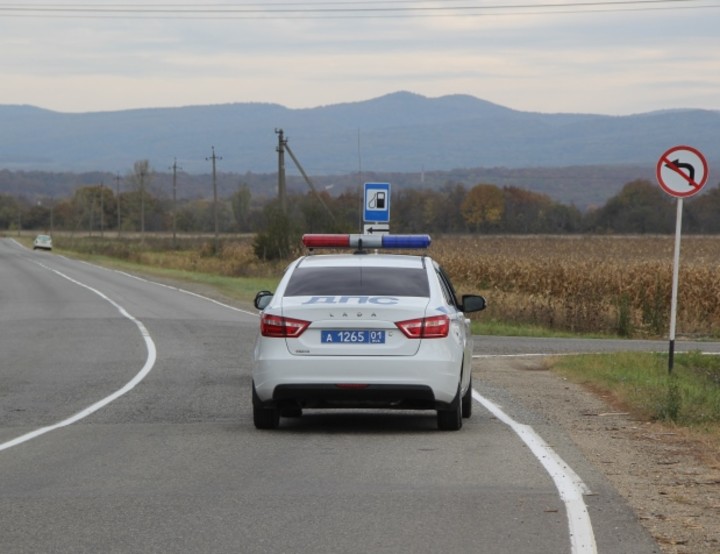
[{"x": 126, "y": 426}]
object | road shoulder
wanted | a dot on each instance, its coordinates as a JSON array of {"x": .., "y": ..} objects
[{"x": 671, "y": 482}]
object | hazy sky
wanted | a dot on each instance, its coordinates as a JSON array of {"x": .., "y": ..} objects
[{"x": 615, "y": 57}]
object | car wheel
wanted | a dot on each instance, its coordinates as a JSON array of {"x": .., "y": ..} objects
[
  {"x": 451, "y": 419},
  {"x": 264, "y": 417},
  {"x": 467, "y": 401}
]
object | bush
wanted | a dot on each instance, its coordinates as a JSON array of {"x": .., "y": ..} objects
[{"x": 279, "y": 240}]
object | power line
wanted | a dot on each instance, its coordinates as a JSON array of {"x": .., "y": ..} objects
[{"x": 337, "y": 9}]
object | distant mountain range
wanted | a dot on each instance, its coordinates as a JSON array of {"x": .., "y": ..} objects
[
  {"x": 399, "y": 132},
  {"x": 406, "y": 139}
]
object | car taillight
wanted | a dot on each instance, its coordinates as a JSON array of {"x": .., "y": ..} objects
[
  {"x": 277, "y": 326},
  {"x": 434, "y": 327}
]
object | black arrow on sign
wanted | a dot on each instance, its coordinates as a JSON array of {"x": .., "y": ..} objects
[{"x": 689, "y": 167}]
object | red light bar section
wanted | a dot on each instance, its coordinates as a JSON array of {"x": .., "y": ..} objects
[{"x": 326, "y": 241}]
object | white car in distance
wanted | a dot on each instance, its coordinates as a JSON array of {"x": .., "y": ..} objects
[
  {"x": 42, "y": 242},
  {"x": 364, "y": 330}
]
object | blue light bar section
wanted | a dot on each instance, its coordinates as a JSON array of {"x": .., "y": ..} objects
[{"x": 406, "y": 241}]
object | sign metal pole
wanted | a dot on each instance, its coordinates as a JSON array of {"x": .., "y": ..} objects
[{"x": 675, "y": 279}]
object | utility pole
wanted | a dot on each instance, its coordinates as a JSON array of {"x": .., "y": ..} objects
[
  {"x": 174, "y": 167},
  {"x": 213, "y": 158},
  {"x": 102, "y": 209},
  {"x": 117, "y": 184},
  {"x": 282, "y": 193},
  {"x": 91, "y": 224},
  {"x": 361, "y": 207},
  {"x": 142, "y": 204}
]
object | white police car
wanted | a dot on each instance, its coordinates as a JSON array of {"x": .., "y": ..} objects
[{"x": 363, "y": 331}]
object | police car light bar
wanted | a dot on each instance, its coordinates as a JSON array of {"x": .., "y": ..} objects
[{"x": 366, "y": 241}]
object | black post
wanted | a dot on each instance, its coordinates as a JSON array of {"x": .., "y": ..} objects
[{"x": 671, "y": 358}]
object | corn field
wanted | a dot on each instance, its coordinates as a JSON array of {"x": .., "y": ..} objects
[
  {"x": 592, "y": 284},
  {"x": 578, "y": 283}
]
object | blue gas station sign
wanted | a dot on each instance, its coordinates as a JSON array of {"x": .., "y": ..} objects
[{"x": 377, "y": 203}]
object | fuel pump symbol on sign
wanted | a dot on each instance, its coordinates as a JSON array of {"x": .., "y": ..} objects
[{"x": 377, "y": 201}]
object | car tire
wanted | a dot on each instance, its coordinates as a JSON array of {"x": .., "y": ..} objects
[
  {"x": 467, "y": 401},
  {"x": 451, "y": 419},
  {"x": 264, "y": 417}
]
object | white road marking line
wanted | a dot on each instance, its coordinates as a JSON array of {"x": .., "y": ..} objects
[
  {"x": 535, "y": 355},
  {"x": 190, "y": 293},
  {"x": 570, "y": 486},
  {"x": 589, "y": 353},
  {"x": 149, "y": 363},
  {"x": 171, "y": 287}
]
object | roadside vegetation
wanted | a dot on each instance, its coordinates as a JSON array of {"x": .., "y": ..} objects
[{"x": 642, "y": 385}]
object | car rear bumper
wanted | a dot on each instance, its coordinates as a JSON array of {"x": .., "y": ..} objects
[
  {"x": 391, "y": 381},
  {"x": 410, "y": 397}
]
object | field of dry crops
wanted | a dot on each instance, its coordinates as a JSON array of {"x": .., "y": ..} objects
[
  {"x": 613, "y": 284},
  {"x": 589, "y": 284}
]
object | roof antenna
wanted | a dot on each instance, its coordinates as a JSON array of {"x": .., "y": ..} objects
[{"x": 360, "y": 247}]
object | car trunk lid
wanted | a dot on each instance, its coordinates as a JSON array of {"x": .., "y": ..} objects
[{"x": 353, "y": 325}]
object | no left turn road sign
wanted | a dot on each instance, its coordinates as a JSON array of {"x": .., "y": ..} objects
[{"x": 682, "y": 171}]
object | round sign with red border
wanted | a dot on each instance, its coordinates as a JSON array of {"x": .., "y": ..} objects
[{"x": 682, "y": 171}]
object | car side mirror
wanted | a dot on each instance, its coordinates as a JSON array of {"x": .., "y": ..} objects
[
  {"x": 473, "y": 303},
  {"x": 262, "y": 299}
]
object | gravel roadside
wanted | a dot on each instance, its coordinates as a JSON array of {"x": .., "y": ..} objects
[{"x": 671, "y": 482}]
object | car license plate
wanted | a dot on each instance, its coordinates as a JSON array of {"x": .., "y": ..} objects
[{"x": 364, "y": 336}]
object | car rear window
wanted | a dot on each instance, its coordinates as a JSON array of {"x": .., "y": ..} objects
[{"x": 356, "y": 281}]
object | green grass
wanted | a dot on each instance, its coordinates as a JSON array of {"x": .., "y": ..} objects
[{"x": 641, "y": 382}]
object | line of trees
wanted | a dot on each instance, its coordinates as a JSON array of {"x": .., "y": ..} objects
[{"x": 640, "y": 207}]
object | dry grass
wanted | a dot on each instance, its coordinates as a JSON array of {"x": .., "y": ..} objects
[
  {"x": 585, "y": 284},
  {"x": 604, "y": 284},
  {"x": 234, "y": 259}
]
